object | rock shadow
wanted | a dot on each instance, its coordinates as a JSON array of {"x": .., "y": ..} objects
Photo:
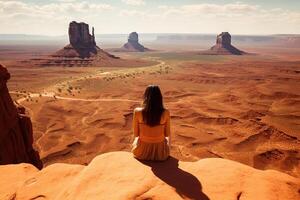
[{"x": 186, "y": 184}]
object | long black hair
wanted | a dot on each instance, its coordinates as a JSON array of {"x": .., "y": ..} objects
[{"x": 152, "y": 105}]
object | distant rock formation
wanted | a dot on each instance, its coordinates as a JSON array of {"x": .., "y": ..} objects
[
  {"x": 118, "y": 176},
  {"x": 82, "y": 43},
  {"x": 82, "y": 50},
  {"x": 223, "y": 46},
  {"x": 80, "y": 37},
  {"x": 133, "y": 43},
  {"x": 16, "y": 135}
]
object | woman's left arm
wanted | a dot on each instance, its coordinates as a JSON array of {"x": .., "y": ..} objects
[
  {"x": 168, "y": 129},
  {"x": 135, "y": 127}
]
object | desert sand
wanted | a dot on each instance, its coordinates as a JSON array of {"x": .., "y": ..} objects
[
  {"x": 235, "y": 116},
  {"x": 118, "y": 175},
  {"x": 243, "y": 108}
]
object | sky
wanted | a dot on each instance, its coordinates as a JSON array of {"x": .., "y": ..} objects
[{"x": 246, "y": 17}]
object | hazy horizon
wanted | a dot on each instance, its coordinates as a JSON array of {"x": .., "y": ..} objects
[
  {"x": 158, "y": 33},
  {"x": 51, "y": 18}
]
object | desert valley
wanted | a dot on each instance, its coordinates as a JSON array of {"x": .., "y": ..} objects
[{"x": 229, "y": 101}]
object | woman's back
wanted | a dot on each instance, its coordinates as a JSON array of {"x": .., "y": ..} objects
[{"x": 149, "y": 133}]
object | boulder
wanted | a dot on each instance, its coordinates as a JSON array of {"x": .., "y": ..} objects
[{"x": 16, "y": 135}]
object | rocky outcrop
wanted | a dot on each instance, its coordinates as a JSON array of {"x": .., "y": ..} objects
[
  {"x": 118, "y": 176},
  {"x": 82, "y": 45},
  {"x": 133, "y": 43},
  {"x": 82, "y": 51},
  {"x": 16, "y": 136},
  {"x": 223, "y": 46},
  {"x": 79, "y": 35}
]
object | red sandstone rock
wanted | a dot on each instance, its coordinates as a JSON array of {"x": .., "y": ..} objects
[
  {"x": 16, "y": 129},
  {"x": 82, "y": 44},
  {"x": 133, "y": 43},
  {"x": 79, "y": 35},
  {"x": 118, "y": 176},
  {"x": 223, "y": 46}
]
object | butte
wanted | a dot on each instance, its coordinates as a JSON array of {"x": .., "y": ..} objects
[
  {"x": 81, "y": 51},
  {"x": 223, "y": 46}
]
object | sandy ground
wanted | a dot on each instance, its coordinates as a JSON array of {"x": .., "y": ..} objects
[{"x": 244, "y": 108}]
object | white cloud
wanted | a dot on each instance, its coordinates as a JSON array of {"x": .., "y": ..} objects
[
  {"x": 18, "y": 7},
  {"x": 66, "y": 1},
  {"x": 22, "y": 17},
  {"x": 237, "y": 17},
  {"x": 216, "y": 9},
  {"x": 130, "y": 13},
  {"x": 134, "y": 2}
]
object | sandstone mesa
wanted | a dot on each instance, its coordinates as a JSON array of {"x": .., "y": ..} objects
[
  {"x": 223, "y": 46},
  {"x": 81, "y": 51},
  {"x": 133, "y": 44}
]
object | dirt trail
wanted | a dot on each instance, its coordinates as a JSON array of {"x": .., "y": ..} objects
[
  {"x": 100, "y": 74},
  {"x": 53, "y": 95}
]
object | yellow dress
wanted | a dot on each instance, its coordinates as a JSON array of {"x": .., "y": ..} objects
[{"x": 151, "y": 144}]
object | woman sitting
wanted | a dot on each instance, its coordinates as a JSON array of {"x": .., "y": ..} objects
[{"x": 151, "y": 127}]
